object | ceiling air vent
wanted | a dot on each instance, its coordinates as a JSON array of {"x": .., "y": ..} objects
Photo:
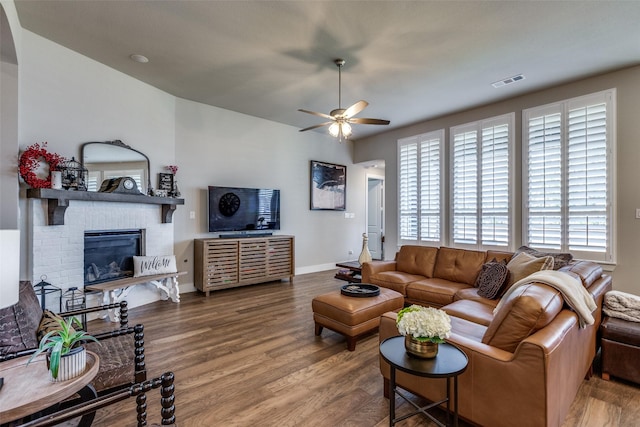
[{"x": 508, "y": 81}]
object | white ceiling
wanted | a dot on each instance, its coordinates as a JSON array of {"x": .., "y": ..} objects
[{"x": 411, "y": 60}]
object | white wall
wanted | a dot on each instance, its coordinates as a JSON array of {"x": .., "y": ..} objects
[
  {"x": 68, "y": 99},
  {"x": 219, "y": 147},
  {"x": 627, "y": 173}
]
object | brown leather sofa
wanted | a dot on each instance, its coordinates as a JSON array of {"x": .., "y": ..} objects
[{"x": 526, "y": 361}]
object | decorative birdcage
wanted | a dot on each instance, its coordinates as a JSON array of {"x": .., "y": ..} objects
[{"x": 74, "y": 175}]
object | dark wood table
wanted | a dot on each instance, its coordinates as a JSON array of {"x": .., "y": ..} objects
[
  {"x": 355, "y": 271},
  {"x": 448, "y": 364},
  {"x": 27, "y": 389}
]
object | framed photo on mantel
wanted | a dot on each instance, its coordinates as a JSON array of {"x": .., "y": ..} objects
[
  {"x": 165, "y": 181},
  {"x": 328, "y": 186}
]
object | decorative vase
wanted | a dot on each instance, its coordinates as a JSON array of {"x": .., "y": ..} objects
[
  {"x": 56, "y": 180},
  {"x": 365, "y": 255},
  {"x": 421, "y": 349},
  {"x": 72, "y": 365},
  {"x": 175, "y": 192}
]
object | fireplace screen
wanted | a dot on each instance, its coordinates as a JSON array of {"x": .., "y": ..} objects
[{"x": 108, "y": 255}]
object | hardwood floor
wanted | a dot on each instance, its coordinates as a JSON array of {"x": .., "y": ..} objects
[{"x": 249, "y": 357}]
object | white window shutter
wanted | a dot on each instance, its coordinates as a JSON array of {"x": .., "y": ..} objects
[
  {"x": 568, "y": 190},
  {"x": 408, "y": 189},
  {"x": 420, "y": 188}
]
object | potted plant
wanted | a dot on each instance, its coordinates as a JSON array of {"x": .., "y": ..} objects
[
  {"x": 66, "y": 358},
  {"x": 423, "y": 328}
]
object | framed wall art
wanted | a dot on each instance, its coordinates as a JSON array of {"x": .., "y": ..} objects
[
  {"x": 328, "y": 186},
  {"x": 165, "y": 181}
]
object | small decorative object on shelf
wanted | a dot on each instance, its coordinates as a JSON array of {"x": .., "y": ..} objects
[
  {"x": 174, "y": 191},
  {"x": 74, "y": 175},
  {"x": 56, "y": 180},
  {"x": 365, "y": 255},
  {"x": 30, "y": 163},
  {"x": 423, "y": 328}
]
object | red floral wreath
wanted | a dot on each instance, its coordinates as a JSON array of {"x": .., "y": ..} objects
[{"x": 30, "y": 161}]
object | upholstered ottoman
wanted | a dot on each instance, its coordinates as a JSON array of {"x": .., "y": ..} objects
[
  {"x": 620, "y": 340},
  {"x": 353, "y": 316}
]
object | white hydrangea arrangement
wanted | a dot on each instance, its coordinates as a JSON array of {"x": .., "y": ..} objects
[{"x": 424, "y": 323}]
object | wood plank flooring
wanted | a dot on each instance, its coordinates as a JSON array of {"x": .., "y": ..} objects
[{"x": 249, "y": 357}]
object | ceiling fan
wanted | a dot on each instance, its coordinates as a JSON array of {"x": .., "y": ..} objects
[{"x": 340, "y": 118}]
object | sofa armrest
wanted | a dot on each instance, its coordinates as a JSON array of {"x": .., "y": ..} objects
[{"x": 374, "y": 267}]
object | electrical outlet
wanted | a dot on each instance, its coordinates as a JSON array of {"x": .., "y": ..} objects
[
  {"x": 192, "y": 215},
  {"x": 637, "y": 213}
]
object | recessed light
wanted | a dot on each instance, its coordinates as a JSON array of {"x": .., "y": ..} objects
[{"x": 139, "y": 58}]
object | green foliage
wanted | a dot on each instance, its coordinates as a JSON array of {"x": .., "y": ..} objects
[{"x": 60, "y": 342}]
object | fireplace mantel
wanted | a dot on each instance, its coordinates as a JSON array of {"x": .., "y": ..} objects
[{"x": 58, "y": 201}]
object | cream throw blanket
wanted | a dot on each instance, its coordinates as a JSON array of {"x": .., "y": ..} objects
[
  {"x": 622, "y": 305},
  {"x": 575, "y": 295}
]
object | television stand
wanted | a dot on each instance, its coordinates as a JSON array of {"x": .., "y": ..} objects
[{"x": 228, "y": 263}]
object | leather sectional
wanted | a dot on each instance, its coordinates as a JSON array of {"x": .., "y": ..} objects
[{"x": 526, "y": 360}]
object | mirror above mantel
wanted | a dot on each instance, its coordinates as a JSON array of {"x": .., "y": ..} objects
[{"x": 114, "y": 159}]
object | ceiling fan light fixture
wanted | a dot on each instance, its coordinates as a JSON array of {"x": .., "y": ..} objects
[{"x": 340, "y": 129}]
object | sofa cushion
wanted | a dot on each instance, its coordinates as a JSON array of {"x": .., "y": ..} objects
[
  {"x": 50, "y": 322},
  {"x": 19, "y": 322},
  {"x": 526, "y": 310},
  {"x": 458, "y": 265},
  {"x": 498, "y": 256},
  {"x": 434, "y": 292},
  {"x": 559, "y": 259},
  {"x": 417, "y": 260},
  {"x": 523, "y": 265},
  {"x": 472, "y": 295},
  {"x": 472, "y": 311},
  {"x": 491, "y": 279},
  {"x": 588, "y": 271},
  {"x": 394, "y": 280}
]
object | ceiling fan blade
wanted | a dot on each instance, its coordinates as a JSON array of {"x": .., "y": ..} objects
[
  {"x": 315, "y": 126},
  {"x": 355, "y": 108},
  {"x": 368, "y": 121},
  {"x": 326, "y": 116}
]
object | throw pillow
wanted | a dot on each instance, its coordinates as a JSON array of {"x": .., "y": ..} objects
[
  {"x": 559, "y": 259},
  {"x": 149, "y": 265},
  {"x": 523, "y": 265},
  {"x": 491, "y": 279},
  {"x": 48, "y": 323}
]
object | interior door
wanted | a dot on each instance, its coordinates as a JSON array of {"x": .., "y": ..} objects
[{"x": 375, "y": 217}]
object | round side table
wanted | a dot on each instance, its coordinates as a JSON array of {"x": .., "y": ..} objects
[
  {"x": 448, "y": 364},
  {"x": 27, "y": 389}
]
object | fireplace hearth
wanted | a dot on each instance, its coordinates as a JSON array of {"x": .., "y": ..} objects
[{"x": 108, "y": 255}]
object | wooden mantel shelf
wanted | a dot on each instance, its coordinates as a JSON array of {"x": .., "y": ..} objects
[{"x": 58, "y": 201}]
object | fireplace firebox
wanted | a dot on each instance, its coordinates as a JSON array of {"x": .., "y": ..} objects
[{"x": 108, "y": 255}]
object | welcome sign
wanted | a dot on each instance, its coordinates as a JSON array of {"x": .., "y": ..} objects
[{"x": 149, "y": 265}]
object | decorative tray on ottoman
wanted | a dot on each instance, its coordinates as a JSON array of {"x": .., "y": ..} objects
[{"x": 360, "y": 290}]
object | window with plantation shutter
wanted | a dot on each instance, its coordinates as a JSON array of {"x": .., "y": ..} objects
[
  {"x": 567, "y": 153},
  {"x": 481, "y": 183},
  {"x": 420, "y": 188}
]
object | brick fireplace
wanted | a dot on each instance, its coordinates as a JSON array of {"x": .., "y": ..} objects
[{"x": 57, "y": 251}]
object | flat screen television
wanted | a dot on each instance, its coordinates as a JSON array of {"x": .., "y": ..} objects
[{"x": 243, "y": 209}]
